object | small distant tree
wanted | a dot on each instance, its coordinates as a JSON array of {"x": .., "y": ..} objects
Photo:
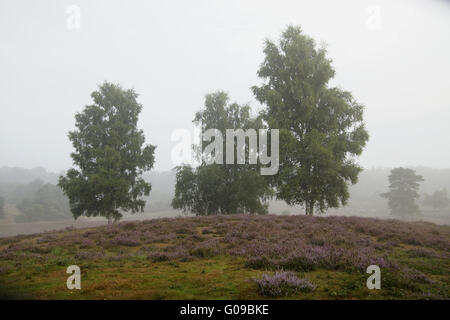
[
  {"x": 438, "y": 200},
  {"x": 2, "y": 207},
  {"x": 110, "y": 156},
  {"x": 47, "y": 204},
  {"x": 26, "y": 190},
  {"x": 403, "y": 191}
]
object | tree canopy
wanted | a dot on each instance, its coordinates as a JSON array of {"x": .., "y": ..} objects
[
  {"x": 110, "y": 156},
  {"x": 321, "y": 127},
  {"x": 227, "y": 187}
]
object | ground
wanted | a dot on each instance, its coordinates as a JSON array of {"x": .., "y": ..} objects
[{"x": 219, "y": 257}]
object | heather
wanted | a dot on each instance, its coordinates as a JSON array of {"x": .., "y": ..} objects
[
  {"x": 282, "y": 283},
  {"x": 221, "y": 256}
]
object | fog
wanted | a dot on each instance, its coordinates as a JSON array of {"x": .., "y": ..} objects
[
  {"x": 343, "y": 185},
  {"x": 393, "y": 56}
]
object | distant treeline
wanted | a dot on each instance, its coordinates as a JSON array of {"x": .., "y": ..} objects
[
  {"x": 373, "y": 182},
  {"x": 35, "y": 194}
]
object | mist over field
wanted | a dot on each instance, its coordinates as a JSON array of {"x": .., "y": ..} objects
[
  {"x": 18, "y": 184},
  {"x": 262, "y": 148}
]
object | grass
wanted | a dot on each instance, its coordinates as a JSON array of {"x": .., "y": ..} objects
[{"x": 219, "y": 257}]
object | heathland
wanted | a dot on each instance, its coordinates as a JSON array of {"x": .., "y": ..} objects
[{"x": 225, "y": 257}]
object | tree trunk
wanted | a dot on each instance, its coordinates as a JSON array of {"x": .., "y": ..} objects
[
  {"x": 109, "y": 221},
  {"x": 309, "y": 208}
]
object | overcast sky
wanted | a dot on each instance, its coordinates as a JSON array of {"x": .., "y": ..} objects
[{"x": 394, "y": 56}]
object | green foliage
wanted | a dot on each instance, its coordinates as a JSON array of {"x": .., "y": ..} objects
[
  {"x": 438, "y": 200},
  {"x": 110, "y": 156},
  {"x": 321, "y": 127},
  {"x": 47, "y": 204},
  {"x": 222, "y": 188},
  {"x": 403, "y": 191},
  {"x": 211, "y": 189},
  {"x": 2, "y": 207}
]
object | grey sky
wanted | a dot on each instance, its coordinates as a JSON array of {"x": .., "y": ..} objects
[{"x": 174, "y": 52}]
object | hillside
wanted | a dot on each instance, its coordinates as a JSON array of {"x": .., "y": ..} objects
[{"x": 217, "y": 257}]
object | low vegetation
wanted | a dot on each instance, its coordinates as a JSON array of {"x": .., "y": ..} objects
[
  {"x": 282, "y": 283},
  {"x": 232, "y": 257}
]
